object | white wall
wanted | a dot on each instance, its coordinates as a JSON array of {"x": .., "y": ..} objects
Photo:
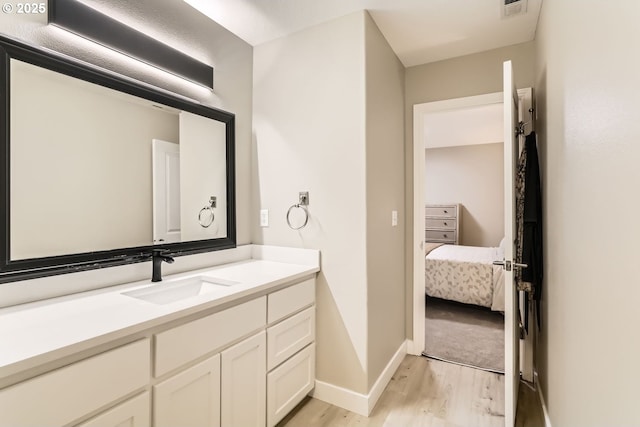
[
  {"x": 472, "y": 175},
  {"x": 476, "y": 74},
  {"x": 179, "y": 25},
  {"x": 587, "y": 79},
  {"x": 309, "y": 122}
]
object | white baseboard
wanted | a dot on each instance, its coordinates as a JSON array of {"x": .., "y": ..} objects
[
  {"x": 545, "y": 412},
  {"x": 385, "y": 376},
  {"x": 359, "y": 403},
  {"x": 342, "y": 397}
]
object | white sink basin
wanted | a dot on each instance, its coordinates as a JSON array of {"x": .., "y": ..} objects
[{"x": 168, "y": 292}]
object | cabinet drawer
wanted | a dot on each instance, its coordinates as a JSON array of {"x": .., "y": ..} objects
[
  {"x": 287, "y": 337},
  {"x": 187, "y": 342},
  {"x": 61, "y": 396},
  {"x": 440, "y": 235},
  {"x": 291, "y": 299},
  {"x": 289, "y": 383},
  {"x": 440, "y": 223},
  {"x": 132, "y": 413},
  {"x": 441, "y": 211}
]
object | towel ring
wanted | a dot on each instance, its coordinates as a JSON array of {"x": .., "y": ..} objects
[
  {"x": 306, "y": 216},
  {"x": 205, "y": 223},
  {"x": 208, "y": 209}
]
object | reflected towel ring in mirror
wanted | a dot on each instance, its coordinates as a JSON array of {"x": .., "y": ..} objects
[
  {"x": 302, "y": 204},
  {"x": 206, "y": 215}
]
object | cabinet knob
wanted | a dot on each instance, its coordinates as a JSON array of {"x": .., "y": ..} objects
[
  {"x": 445, "y": 235},
  {"x": 445, "y": 222},
  {"x": 446, "y": 211}
]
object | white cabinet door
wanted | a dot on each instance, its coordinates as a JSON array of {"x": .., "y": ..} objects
[
  {"x": 190, "y": 398},
  {"x": 244, "y": 369},
  {"x": 134, "y": 412}
]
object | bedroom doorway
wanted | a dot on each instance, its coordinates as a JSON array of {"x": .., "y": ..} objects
[
  {"x": 464, "y": 183},
  {"x": 464, "y": 224},
  {"x": 417, "y": 345}
]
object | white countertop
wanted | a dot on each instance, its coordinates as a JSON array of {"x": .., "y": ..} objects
[{"x": 41, "y": 332}]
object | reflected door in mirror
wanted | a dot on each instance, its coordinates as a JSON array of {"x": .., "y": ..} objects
[{"x": 166, "y": 191}]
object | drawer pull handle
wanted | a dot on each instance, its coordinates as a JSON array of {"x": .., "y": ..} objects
[
  {"x": 446, "y": 211},
  {"x": 445, "y": 223},
  {"x": 445, "y": 235}
]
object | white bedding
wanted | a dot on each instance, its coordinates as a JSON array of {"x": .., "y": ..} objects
[{"x": 466, "y": 274}]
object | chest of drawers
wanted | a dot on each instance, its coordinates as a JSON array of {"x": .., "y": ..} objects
[{"x": 442, "y": 223}]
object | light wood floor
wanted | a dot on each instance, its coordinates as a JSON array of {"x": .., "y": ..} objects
[{"x": 425, "y": 392}]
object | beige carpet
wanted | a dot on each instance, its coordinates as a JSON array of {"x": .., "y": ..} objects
[{"x": 464, "y": 334}]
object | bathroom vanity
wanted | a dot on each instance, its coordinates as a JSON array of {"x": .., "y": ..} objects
[{"x": 231, "y": 345}]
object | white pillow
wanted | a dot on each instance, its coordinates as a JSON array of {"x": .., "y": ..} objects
[{"x": 501, "y": 248}]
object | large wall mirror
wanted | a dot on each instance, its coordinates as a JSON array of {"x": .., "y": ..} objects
[{"x": 99, "y": 170}]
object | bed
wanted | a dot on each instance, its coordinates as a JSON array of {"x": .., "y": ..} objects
[{"x": 465, "y": 274}]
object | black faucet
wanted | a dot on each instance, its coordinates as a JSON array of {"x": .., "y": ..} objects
[{"x": 157, "y": 256}]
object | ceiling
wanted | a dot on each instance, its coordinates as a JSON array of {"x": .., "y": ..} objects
[{"x": 419, "y": 31}]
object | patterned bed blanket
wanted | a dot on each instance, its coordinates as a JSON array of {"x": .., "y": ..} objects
[{"x": 465, "y": 274}]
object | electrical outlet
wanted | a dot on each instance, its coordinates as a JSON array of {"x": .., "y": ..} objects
[
  {"x": 394, "y": 218},
  {"x": 264, "y": 217}
]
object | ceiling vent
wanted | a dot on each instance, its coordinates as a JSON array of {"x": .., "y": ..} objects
[{"x": 513, "y": 7}]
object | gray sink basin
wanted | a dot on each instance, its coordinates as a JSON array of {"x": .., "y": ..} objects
[{"x": 169, "y": 292}]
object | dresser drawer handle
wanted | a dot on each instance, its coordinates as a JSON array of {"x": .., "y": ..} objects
[
  {"x": 445, "y": 222},
  {"x": 446, "y": 211},
  {"x": 445, "y": 235}
]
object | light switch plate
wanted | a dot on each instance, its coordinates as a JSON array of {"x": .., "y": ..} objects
[
  {"x": 394, "y": 218},
  {"x": 264, "y": 217}
]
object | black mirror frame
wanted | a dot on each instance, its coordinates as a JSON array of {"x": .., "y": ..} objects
[{"x": 11, "y": 271}]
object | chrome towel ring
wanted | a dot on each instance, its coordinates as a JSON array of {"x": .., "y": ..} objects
[
  {"x": 206, "y": 215},
  {"x": 306, "y": 216},
  {"x": 302, "y": 204}
]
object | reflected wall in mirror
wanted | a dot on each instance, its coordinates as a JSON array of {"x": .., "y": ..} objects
[{"x": 100, "y": 168}]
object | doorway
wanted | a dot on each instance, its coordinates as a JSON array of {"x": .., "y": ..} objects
[
  {"x": 417, "y": 344},
  {"x": 463, "y": 178}
]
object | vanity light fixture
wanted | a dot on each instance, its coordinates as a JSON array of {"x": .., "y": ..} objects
[{"x": 80, "y": 19}]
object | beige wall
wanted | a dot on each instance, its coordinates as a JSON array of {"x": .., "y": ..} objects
[
  {"x": 472, "y": 175},
  {"x": 587, "y": 75},
  {"x": 384, "y": 76},
  {"x": 328, "y": 119},
  {"x": 309, "y": 122},
  {"x": 75, "y": 177},
  {"x": 468, "y": 75}
]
